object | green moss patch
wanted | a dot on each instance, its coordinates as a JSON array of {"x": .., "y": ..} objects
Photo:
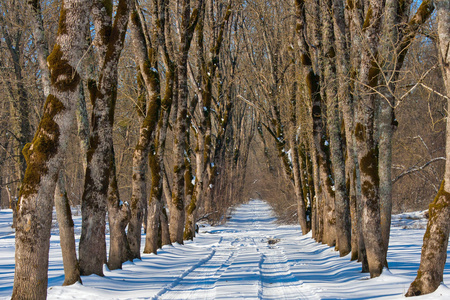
[{"x": 43, "y": 147}]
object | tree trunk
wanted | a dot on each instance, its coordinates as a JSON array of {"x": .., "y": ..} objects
[
  {"x": 158, "y": 232},
  {"x": 45, "y": 154},
  {"x": 66, "y": 233},
  {"x": 347, "y": 108},
  {"x": 301, "y": 201},
  {"x": 317, "y": 216},
  {"x": 435, "y": 241},
  {"x": 92, "y": 248},
  {"x": 63, "y": 211},
  {"x": 149, "y": 72},
  {"x": 177, "y": 213},
  {"x": 366, "y": 147},
  {"x": 41, "y": 43},
  {"x": 342, "y": 208},
  {"x": 189, "y": 231},
  {"x": 395, "y": 49},
  {"x": 118, "y": 217}
]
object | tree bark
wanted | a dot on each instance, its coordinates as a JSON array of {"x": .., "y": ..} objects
[
  {"x": 347, "y": 108},
  {"x": 41, "y": 43},
  {"x": 44, "y": 155},
  {"x": 395, "y": 49}
]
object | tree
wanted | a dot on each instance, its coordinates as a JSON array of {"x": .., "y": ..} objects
[
  {"x": 63, "y": 210},
  {"x": 45, "y": 153},
  {"x": 435, "y": 241},
  {"x": 148, "y": 71},
  {"x": 341, "y": 199},
  {"x": 207, "y": 64},
  {"x": 346, "y": 106},
  {"x": 109, "y": 42},
  {"x": 177, "y": 209}
]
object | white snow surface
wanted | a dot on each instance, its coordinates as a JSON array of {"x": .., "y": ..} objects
[{"x": 250, "y": 257}]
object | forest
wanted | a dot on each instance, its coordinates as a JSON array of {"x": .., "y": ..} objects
[{"x": 154, "y": 115}]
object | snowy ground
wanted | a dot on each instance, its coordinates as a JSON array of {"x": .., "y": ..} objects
[{"x": 251, "y": 257}]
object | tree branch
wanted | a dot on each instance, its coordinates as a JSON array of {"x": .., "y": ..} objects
[{"x": 416, "y": 169}]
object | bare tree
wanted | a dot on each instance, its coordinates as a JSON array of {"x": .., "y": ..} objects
[
  {"x": 435, "y": 241},
  {"x": 63, "y": 211},
  {"x": 44, "y": 155},
  {"x": 109, "y": 43},
  {"x": 148, "y": 69},
  {"x": 177, "y": 211}
]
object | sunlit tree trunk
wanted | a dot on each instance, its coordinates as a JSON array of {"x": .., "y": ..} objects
[
  {"x": 394, "y": 47},
  {"x": 66, "y": 233},
  {"x": 63, "y": 211},
  {"x": 208, "y": 62},
  {"x": 341, "y": 200},
  {"x": 45, "y": 154},
  {"x": 347, "y": 108},
  {"x": 296, "y": 170},
  {"x": 41, "y": 43}
]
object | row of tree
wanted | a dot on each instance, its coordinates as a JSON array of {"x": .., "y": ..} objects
[
  {"x": 190, "y": 97},
  {"x": 328, "y": 96},
  {"x": 318, "y": 81}
]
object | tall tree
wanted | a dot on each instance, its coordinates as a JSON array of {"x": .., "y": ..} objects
[
  {"x": 157, "y": 220},
  {"x": 365, "y": 138},
  {"x": 45, "y": 153},
  {"x": 342, "y": 207},
  {"x": 399, "y": 32},
  {"x": 186, "y": 31},
  {"x": 146, "y": 56},
  {"x": 109, "y": 42},
  {"x": 62, "y": 205},
  {"x": 435, "y": 240},
  {"x": 208, "y": 63},
  {"x": 347, "y": 108}
]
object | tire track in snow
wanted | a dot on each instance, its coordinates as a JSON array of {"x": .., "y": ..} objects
[
  {"x": 277, "y": 280},
  {"x": 242, "y": 279},
  {"x": 199, "y": 281},
  {"x": 243, "y": 265}
]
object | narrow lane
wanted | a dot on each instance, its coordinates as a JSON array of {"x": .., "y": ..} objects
[{"x": 247, "y": 263}]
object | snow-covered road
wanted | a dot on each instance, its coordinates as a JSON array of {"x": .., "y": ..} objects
[
  {"x": 246, "y": 263},
  {"x": 250, "y": 257}
]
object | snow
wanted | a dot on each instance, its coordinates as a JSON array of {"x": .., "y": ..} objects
[{"x": 250, "y": 257}]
